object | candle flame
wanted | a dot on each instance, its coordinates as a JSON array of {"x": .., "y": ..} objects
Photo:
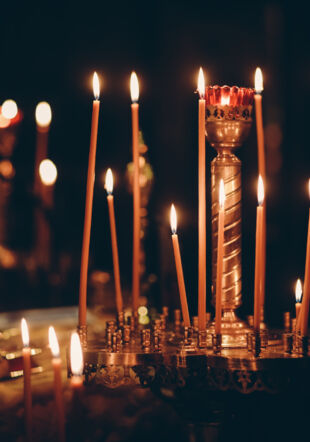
[
  {"x": 43, "y": 114},
  {"x": 259, "y": 87},
  {"x": 134, "y": 87},
  {"x": 48, "y": 172},
  {"x": 9, "y": 109},
  {"x": 109, "y": 182},
  {"x": 222, "y": 194},
  {"x": 96, "y": 86},
  {"x": 225, "y": 101},
  {"x": 76, "y": 355},
  {"x": 53, "y": 342},
  {"x": 173, "y": 219},
  {"x": 25, "y": 332},
  {"x": 260, "y": 191},
  {"x": 298, "y": 290},
  {"x": 201, "y": 84}
]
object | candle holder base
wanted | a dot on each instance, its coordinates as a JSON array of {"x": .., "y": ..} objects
[{"x": 234, "y": 330}]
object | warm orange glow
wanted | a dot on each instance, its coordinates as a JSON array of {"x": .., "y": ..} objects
[
  {"x": 43, "y": 114},
  {"x": 9, "y": 109},
  {"x": 76, "y": 355},
  {"x": 25, "y": 332},
  {"x": 96, "y": 87},
  {"x": 225, "y": 101},
  {"x": 260, "y": 191},
  {"x": 298, "y": 290},
  {"x": 173, "y": 219},
  {"x": 134, "y": 87},
  {"x": 309, "y": 187},
  {"x": 53, "y": 342},
  {"x": 109, "y": 182},
  {"x": 201, "y": 84},
  {"x": 48, "y": 172},
  {"x": 259, "y": 87},
  {"x": 4, "y": 122},
  {"x": 222, "y": 194}
]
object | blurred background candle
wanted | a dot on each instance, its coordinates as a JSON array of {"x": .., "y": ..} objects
[
  {"x": 259, "y": 263},
  {"x": 27, "y": 379},
  {"x": 117, "y": 278},
  {"x": 202, "y": 260},
  {"x": 134, "y": 91},
  {"x": 220, "y": 254},
  {"x": 43, "y": 116},
  {"x": 76, "y": 362},
  {"x": 298, "y": 295},
  {"x": 56, "y": 362}
]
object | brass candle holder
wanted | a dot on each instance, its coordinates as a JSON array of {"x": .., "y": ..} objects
[{"x": 228, "y": 123}]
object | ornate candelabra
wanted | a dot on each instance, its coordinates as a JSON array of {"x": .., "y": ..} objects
[{"x": 228, "y": 122}]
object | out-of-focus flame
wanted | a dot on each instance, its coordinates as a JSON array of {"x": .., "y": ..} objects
[
  {"x": 222, "y": 194},
  {"x": 260, "y": 191},
  {"x": 173, "y": 219},
  {"x": 225, "y": 101},
  {"x": 53, "y": 342},
  {"x": 43, "y": 114},
  {"x": 109, "y": 182},
  {"x": 134, "y": 87},
  {"x": 25, "y": 332},
  {"x": 48, "y": 172},
  {"x": 201, "y": 84},
  {"x": 259, "y": 87},
  {"x": 76, "y": 355},
  {"x": 96, "y": 87},
  {"x": 298, "y": 290},
  {"x": 9, "y": 109}
]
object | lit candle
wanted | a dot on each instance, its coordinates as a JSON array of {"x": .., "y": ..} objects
[
  {"x": 298, "y": 295},
  {"x": 134, "y": 90},
  {"x": 179, "y": 268},
  {"x": 117, "y": 279},
  {"x": 43, "y": 115},
  {"x": 202, "y": 262},
  {"x": 76, "y": 362},
  {"x": 304, "y": 313},
  {"x": 261, "y": 166},
  {"x": 56, "y": 361},
  {"x": 220, "y": 254},
  {"x": 27, "y": 379},
  {"x": 258, "y": 284},
  {"x": 89, "y": 203},
  {"x": 48, "y": 177},
  {"x": 9, "y": 109}
]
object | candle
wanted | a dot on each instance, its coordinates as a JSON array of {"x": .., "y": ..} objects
[
  {"x": 56, "y": 362},
  {"x": 298, "y": 295},
  {"x": 179, "y": 268},
  {"x": 48, "y": 177},
  {"x": 43, "y": 115},
  {"x": 27, "y": 379},
  {"x": 261, "y": 166},
  {"x": 134, "y": 90},
  {"x": 304, "y": 313},
  {"x": 117, "y": 279},
  {"x": 220, "y": 254},
  {"x": 9, "y": 109},
  {"x": 76, "y": 362},
  {"x": 202, "y": 264},
  {"x": 258, "y": 284},
  {"x": 89, "y": 203}
]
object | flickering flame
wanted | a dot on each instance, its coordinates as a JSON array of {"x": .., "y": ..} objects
[
  {"x": 222, "y": 194},
  {"x": 9, "y": 109},
  {"x": 225, "y": 101},
  {"x": 134, "y": 87},
  {"x": 76, "y": 355},
  {"x": 260, "y": 191},
  {"x": 48, "y": 172},
  {"x": 173, "y": 219},
  {"x": 53, "y": 342},
  {"x": 43, "y": 114},
  {"x": 96, "y": 87},
  {"x": 298, "y": 290},
  {"x": 25, "y": 333},
  {"x": 109, "y": 182},
  {"x": 201, "y": 84},
  {"x": 259, "y": 80}
]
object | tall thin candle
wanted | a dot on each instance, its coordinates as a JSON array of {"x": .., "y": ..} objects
[
  {"x": 179, "y": 268},
  {"x": 89, "y": 203},
  {"x": 220, "y": 255},
  {"x": 258, "y": 285},
  {"x": 304, "y": 314},
  {"x": 134, "y": 90},
  {"x": 27, "y": 380},
  {"x": 202, "y": 261},
  {"x": 117, "y": 279}
]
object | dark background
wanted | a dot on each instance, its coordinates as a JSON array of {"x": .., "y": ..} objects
[{"x": 49, "y": 52}]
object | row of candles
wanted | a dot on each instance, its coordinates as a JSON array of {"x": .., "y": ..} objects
[{"x": 76, "y": 382}]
